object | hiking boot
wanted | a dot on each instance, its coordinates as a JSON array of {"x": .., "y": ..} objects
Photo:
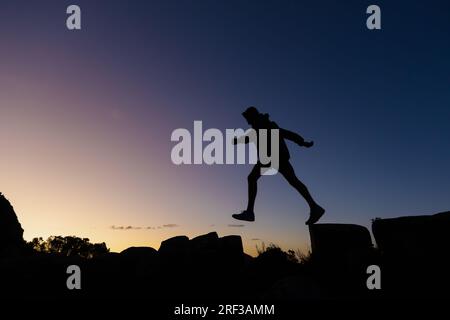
[
  {"x": 245, "y": 216},
  {"x": 315, "y": 214}
]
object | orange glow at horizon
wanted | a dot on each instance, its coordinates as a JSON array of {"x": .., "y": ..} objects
[{"x": 76, "y": 162}]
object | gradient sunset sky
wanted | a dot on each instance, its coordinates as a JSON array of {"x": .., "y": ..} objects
[{"x": 86, "y": 116}]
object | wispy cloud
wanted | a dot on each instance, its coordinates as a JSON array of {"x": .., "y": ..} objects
[
  {"x": 170, "y": 225},
  {"x": 125, "y": 228},
  {"x": 236, "y": 225}
]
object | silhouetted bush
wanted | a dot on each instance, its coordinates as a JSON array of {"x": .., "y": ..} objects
[
  {"x": 275, "y": 253},
  {"x": 68, "y": 246}
]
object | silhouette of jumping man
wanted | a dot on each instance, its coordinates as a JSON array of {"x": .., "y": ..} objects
[{"x": 261, "y": 121}]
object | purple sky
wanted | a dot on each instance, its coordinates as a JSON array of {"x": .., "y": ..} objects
[{"x": 86, "y": 116}]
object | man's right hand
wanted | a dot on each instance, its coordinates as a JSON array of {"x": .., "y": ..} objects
[{"x": 308, "y": 144}]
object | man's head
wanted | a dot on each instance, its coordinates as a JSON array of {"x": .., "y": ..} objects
[{"x": 251, "y": 115}]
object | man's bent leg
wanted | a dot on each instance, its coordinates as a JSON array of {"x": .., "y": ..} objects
[{"x": 289, "y": 174}]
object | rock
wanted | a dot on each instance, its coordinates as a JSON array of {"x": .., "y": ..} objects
[
  {"x": 413, "y": 236},
  {"x": 139, "y": 261},
  {"x": 345, "y": 245},
  {"x": 327, "y": 238},
  {"x": 204, "y": 250},
  {"x": 231, "y": 244},
  {"x": 175, "y": 250},
  {"x": 139, "y": 253},
  {"x": 414, "y": 252},
  {"x": 174, "y": 244},
  {"x": 205, "y": 242},
  {"x": 11, "y": 232},
  {"x": 231, "y": 250}
]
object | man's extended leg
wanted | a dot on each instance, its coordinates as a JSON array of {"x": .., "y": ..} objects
[
  {"x": 252, "y": 180},
  {"x": 249, "y": 214},
  {"x": 289, "y": 174}
]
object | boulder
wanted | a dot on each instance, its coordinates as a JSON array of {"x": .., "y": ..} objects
[
  {"x": 204, "y": 250},
  {"x": 231, "y": 244},
  {"x": 205, "y": 242},
  {"x": 415, "y": 254},
  {"x": 174, "y": 244},
  {"x": 139, "y": 253},
  {"x": 232, "y": 250},
  {"x": 174, "y": 250},
  {"x": 329, "y": 238},
  {"x": 413, "y": 236},
  {"x": 139, "y": 261},
  {"x": 343, "y": 245},
  {"x": 11, "y": 232}
]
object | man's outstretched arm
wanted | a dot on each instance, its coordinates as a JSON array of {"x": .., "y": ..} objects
[{"x": 298, "y": 139}]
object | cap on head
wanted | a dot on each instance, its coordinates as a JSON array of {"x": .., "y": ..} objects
[{"x": 250, "y": 113}]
